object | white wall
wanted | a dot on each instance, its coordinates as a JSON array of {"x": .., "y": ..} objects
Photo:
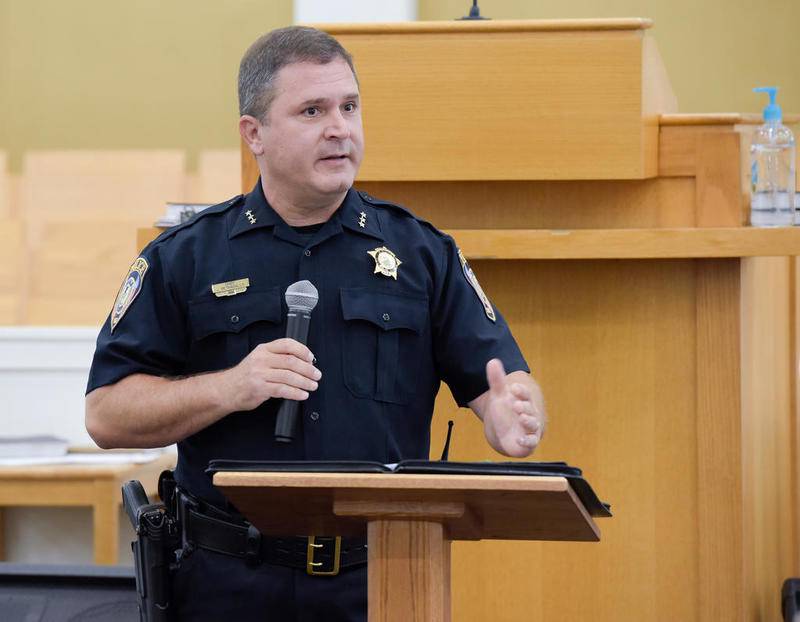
[
  {"x": 326, "y": 11},
  {"x": 43, "y": 374}
]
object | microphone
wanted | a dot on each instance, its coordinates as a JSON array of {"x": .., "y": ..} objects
[{"x": 301, "y": 298}]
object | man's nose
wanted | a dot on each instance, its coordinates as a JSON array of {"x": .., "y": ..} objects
[{"x": 337, "y": 126}]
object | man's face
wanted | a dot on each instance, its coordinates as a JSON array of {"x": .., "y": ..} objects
[{"x": 313, "y": 139}]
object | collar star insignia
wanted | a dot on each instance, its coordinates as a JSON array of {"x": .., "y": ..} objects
[
  {"x": 362, "y": 220},
  {"x": 386, "y": 262},
  {"x": 250, "y": 217}
]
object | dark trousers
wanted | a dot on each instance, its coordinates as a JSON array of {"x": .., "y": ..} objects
[{"x": 221, "y": 588}]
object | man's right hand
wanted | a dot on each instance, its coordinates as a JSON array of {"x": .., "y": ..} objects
[{"x": 278, "y": 369}]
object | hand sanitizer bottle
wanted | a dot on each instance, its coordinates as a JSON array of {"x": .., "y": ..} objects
[{"x": 772, "y": 169}]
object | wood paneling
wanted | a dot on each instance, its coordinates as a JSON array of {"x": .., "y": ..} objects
[
  {"x": 719, "y": 201},
  {"x": 719, "y": 442},
  {"x": 5, "y": 187},
  {"x": 615, "y": 355},
  {"x": 100, "y": 185},
  {"x": 13, "y": 270},
  {"x": 537, "y": 120},
  {"x": 610, "y": 243},
  {"x": 218, "y": 177},
  {"x": 626, "y": 243},
  {"x": 495, "y": 25},
  {"x": 769, "y": 380},
  {"x": 545, "y": 204},
  {"x": 70, "y": 243}
]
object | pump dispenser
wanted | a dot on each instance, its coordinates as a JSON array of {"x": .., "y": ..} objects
[{"x": 772, "y": 168}]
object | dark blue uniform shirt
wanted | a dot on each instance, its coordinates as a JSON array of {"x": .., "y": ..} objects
[{"x": 382, "y": 344}]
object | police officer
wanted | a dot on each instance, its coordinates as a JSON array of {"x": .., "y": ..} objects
[{"x": 193, "y": 351}]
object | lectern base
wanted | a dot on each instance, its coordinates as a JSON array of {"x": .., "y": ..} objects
[{"x": 413, "y": 557}]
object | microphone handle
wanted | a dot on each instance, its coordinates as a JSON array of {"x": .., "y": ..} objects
[{"x": 297, "y": 324}]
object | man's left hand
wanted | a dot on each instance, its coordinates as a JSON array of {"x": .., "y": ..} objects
[{"x": 512, "y": 411}]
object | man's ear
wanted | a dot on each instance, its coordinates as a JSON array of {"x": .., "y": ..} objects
[{"x": 249, "y": 129}]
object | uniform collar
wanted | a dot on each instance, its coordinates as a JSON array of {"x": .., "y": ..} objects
[
  {"x": 360, "y": 216},
  {"x": 255, "y": 213},
  {"x": 355, "y": 214}
]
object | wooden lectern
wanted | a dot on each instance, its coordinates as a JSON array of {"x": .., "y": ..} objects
[{"x": 410, "y": 521}]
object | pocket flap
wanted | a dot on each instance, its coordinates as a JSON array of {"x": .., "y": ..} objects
[
  {"x": 232, "y": 314},
  {"x": 386, "y": 310}
]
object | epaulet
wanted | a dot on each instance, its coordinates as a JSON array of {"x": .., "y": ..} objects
[
  {"x": 381, "y": 203},
  {"x": 394, "y": 206},
  {"x": 219, "y": 208}
]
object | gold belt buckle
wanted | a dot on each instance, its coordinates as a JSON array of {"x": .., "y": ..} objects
[{"x": 311, "y": 565}]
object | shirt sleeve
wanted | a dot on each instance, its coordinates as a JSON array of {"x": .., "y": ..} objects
[
  {"x": 146, "y": 330},
  {"x": 468, "y": 330}
]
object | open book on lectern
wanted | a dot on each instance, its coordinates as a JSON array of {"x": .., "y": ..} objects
[{"x": 574, "y": 475}]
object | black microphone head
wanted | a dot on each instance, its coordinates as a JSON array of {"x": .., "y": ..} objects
[{"x": 302, "y": 296}]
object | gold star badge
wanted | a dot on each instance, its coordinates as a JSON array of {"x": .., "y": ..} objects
[{"x": 386, "y": 262}]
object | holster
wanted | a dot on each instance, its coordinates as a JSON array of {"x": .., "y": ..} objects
[{"x": 158, "y": 537}]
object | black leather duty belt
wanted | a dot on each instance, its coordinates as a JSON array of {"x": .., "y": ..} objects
[{"x": 317, "y": 555}]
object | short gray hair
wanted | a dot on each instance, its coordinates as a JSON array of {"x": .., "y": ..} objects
[{"x": 273, "y": 51}]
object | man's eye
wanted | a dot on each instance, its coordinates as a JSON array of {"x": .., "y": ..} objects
[
  {"x": 313, "y": 111},
  {"x": 350, "y": 107}
]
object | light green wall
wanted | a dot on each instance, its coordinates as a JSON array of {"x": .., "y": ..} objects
[
  {"x": 161, "y": 73},
  {"x": 714, "y": 51},
  {"x": 137, "y": 74}
]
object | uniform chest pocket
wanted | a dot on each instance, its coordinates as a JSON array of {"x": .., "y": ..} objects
[
  {"x": 384, "y": 334},
  {"x": 224, "y": 330}
]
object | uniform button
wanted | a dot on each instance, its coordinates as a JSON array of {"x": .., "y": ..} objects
[
  {"x": 234, "y": 318},
  {"x": 307, "y": 252},
  {"x": 314, "y": 416},
  {"x": 386, "y": 317}
]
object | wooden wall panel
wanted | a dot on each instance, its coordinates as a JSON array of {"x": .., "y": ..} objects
[
  {"x": 719, "y": 440},
  {"x": 218, "y": 177},
  {"x": 13, "y": 270},
  {"x": 615, "y": 355},
  {"x": 538, "y": 120},
  {"x": 79, "y": 212},
  {"x": 5, "y": 187},
  {"x": 545, "y": 204},
  {"x": 125, "y": 185},
  {"x": 76, "y": 271},
  {"x": 719, "y": 201},
  {"x": 769, "y": 384}
]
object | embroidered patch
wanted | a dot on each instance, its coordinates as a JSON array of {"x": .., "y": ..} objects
[
  {"x": 473, "y": 281},
  {"x": 129, "y": 290}
]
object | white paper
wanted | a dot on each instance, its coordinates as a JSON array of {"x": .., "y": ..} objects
[{"x": 99, "y": 458}]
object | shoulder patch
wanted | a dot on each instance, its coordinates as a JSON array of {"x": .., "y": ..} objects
[
  {"x": 473, "y": 281},
  {"x": 130, "y": 288}
]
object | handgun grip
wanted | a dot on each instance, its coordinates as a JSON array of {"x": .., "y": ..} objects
[{"x": 134, "y": 498}]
